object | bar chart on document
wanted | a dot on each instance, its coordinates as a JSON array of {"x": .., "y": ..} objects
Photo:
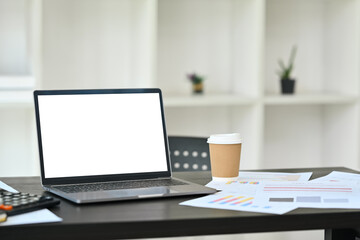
[
  {"x": 241, "y": 182},
  {"x": 239, "y": 202}
]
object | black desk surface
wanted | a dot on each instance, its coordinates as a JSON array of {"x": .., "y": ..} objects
[{"x": 166, "y": 218}]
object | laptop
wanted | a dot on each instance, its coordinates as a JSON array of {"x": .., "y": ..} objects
[{"x": 106, "y": 145}]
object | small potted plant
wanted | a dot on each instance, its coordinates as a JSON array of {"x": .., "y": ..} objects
[
  {"x": 287, "y": 82},
  {"x": 197, "y": 82}
]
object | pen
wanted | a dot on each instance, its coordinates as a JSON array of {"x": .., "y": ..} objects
[{"x": 3, "y": 216}]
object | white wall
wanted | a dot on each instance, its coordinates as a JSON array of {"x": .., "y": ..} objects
[
  {"x": 235, "y": 44},
  {"x": 13, "y": 32}
]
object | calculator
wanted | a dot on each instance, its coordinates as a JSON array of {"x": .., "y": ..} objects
[{"x": 16, "y": 203}]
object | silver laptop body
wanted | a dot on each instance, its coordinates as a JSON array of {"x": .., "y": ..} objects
[{"x": 106, "y": 145}]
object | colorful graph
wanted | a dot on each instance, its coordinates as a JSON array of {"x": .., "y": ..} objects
[
  {"x": 231, "y": 200},
  {"x": 240, "y": 201},
  {"x": 221, "y": 199},
  {"x": 241, "y": 182}
]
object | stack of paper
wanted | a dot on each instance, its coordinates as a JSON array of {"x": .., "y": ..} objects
[{"x": 279, "y": 193}]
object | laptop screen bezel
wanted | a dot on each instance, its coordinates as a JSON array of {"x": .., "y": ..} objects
[{"x": 100, "y": 178}]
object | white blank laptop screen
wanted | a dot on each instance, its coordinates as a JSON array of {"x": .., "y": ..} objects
[{"x": 100, "y": 134}]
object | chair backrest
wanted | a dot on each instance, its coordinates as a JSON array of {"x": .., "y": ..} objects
[{"x": 189, "y": 154}]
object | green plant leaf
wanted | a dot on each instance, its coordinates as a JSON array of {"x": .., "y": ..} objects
[
  {"x": 285, "y": 71},
  {"x": 282, "y": 65},
  {"x": 292, "y": 55}
]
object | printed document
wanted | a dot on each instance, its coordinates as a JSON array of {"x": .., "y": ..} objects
[
  {"x": 266, "y": 193},
  {"x": 238, "y": 202},
  {"x": 336, "y": 176},
  {"x": 248, "y": 180}
]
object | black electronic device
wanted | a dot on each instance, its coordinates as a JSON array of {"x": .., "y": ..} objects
[{"x": 19, "y": 202}]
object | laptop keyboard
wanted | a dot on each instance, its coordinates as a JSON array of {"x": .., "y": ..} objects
[{"x": 93, "y": 187}]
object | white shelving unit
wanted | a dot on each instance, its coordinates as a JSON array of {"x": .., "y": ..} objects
[
  {"x": 310, "y": 99},
  {"x": 19, "y": 73},
  {"x": 319, "y": 126},
  {"x": 18, "y": 99},
  {"x": 236, "y": 44}
]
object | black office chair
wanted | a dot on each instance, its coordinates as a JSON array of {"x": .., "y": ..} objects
[{"x": 189, "y": 154}]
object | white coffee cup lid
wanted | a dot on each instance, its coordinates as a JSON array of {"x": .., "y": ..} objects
[{"x": 231, "y": 138}]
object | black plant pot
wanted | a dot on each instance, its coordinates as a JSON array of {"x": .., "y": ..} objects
[{"x": 287, "y": 86}]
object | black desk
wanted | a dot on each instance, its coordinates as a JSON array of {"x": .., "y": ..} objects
[{"x": 166, "y": 218}]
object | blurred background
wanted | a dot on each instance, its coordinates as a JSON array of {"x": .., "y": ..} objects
[{"x": 234, "y": 45}]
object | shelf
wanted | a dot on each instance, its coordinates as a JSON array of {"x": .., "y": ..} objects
[
  {"x": 207, "y": 100},
  {"x": 16, "y": 98},
  {"x": 300, "y": 99},
  {"x": 236, "y": 100},
  {"x": 16, "y": 82}
]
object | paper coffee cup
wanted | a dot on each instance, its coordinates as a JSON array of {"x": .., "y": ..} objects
[{"x": 225, "y": 152}]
